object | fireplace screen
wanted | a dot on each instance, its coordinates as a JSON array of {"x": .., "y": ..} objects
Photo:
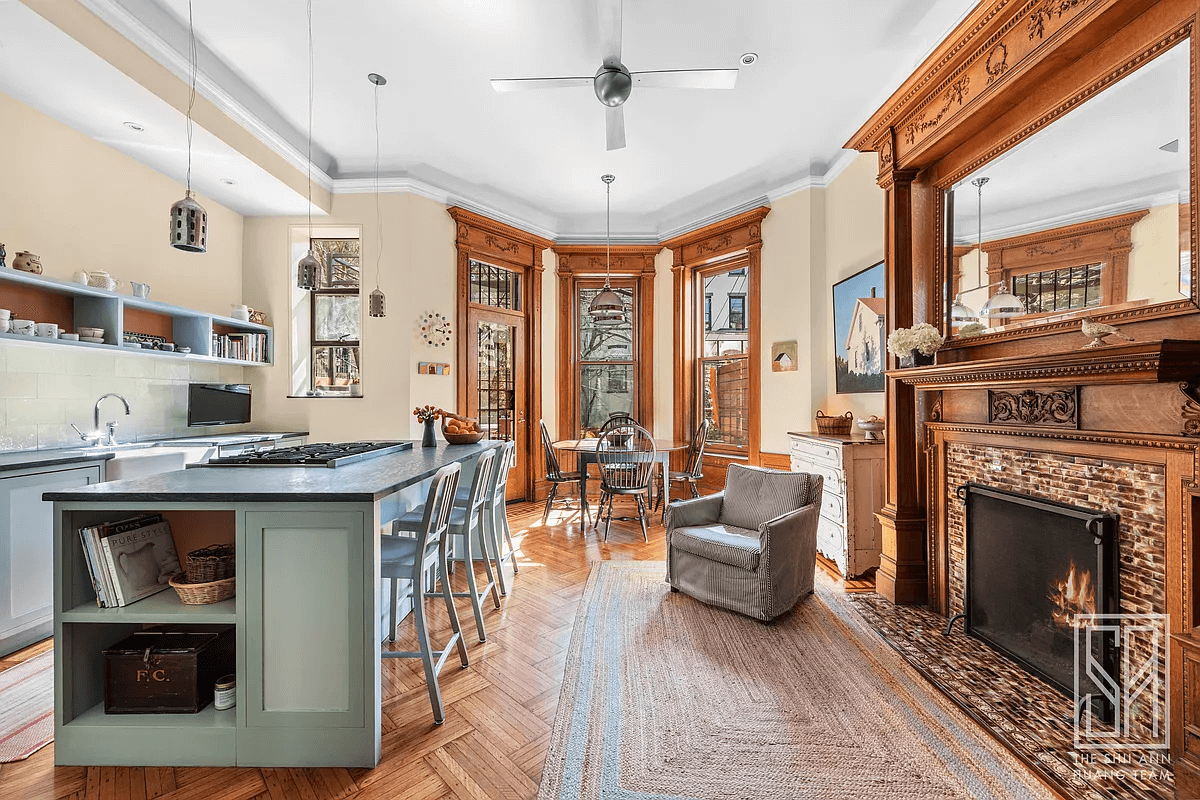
[{"x": 1032, "y": 566}]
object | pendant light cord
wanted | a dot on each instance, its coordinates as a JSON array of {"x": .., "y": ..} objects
[
  {"x": 311, "y": 58},
  {"x": 191, "y": 95},
  {"x": 378, "y": 212},
  {"x": 607, "y": 232}
]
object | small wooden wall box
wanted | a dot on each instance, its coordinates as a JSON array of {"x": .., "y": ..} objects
[{"x": 166, "y": 670}]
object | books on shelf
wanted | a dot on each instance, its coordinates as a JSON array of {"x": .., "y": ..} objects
[
  {"x": 130, "y": 559},
  {"x": 242, "y": 346}
]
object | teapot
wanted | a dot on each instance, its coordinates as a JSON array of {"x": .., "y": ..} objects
[
  {"x": 27, "y": 262},
  {"x": 100, "y": 279}
]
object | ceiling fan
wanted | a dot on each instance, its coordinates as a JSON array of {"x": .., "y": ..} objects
[{"x": 613, "y": 82}]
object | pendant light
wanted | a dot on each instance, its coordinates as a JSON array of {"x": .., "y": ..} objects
[
  {"x": 309, "y": 267},
  {"x": 607, "y": 307},
  {"x": 189, "y": 220},
  {"x": 1003, "y": 304},
  {"x": 375, "y": 303}
]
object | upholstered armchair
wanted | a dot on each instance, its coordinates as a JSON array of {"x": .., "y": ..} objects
[{"x": 751, "y": 548}]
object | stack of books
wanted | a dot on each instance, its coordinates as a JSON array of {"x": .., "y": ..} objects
[
  {"x": 242, "y": 346},
  {"x": 130, "y": 559}
]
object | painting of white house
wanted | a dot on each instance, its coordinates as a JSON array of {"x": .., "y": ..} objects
[{"x": 859, "y": 332}]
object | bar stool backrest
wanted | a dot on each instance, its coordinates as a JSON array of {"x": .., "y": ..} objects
[
  {"x": 627, "y": 456},
  {"x": 438, "y": 505},
  {"x": 484, "y": 467},
  {"x": 505, "y": 461}
]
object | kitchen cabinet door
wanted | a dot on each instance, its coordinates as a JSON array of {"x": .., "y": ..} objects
[{"x": 27, "y": 553}]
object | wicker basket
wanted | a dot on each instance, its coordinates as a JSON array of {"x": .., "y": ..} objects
[
  {"x": 834, "y": 425},
  {"x": 212, "y": 563},
  {"x": 460, "y": 438},
  {"x": 200, "y": 594}
]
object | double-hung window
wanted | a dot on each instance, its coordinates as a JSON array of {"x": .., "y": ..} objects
[{"x": 336, "y": 318}]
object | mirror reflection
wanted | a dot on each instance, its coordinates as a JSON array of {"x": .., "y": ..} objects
[{"x": 1090, "y": 214}]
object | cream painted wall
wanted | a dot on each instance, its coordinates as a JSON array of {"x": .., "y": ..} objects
[
  {"x": 1154, "y": 260},
  {"x": 417, "y": 274},
  {"x": 550, "y": 385},
  {"x": 853, "y": 242},
  {"x": 80, "y": 204},
  {"x": 664, "y": 347}
]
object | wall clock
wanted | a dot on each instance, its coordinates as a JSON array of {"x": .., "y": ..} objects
[{"x": 435, "y": 329}]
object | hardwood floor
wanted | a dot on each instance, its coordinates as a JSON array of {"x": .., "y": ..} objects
[{"x": 498, "y": 716}]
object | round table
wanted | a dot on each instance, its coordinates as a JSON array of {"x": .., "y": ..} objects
[{"x": 585, "y": 452}]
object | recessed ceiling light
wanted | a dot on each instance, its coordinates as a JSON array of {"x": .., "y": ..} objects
[
  {"x": 228, "y": 181},
  {"x": 748, "y": 58},
  {"x": 133, "y": 126}
]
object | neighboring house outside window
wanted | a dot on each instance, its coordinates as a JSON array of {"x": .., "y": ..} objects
[
  {"x": 737, "y": 312},
  {"x": 708, "y": 312},
  {"x": 723, "y": 368}
]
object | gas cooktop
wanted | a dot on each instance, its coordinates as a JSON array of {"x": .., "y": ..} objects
[{"x": 322, "y": 454}]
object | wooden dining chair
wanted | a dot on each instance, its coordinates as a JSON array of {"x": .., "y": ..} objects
[
  {"x": 409, "y": 558},
  {"x": 693, "y": 472},
  {"x": 554, "y": 474},
  {"x": 627, "y": 457}
]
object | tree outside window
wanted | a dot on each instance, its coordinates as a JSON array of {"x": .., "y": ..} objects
[{"x": 336, "y": 318}]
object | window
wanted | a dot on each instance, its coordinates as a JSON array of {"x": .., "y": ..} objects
[
  {"x": 606, "y": 364},
  {"x": 336, "y": 318},
  {"x": 737, "y": 312},
  {"x": 495, "y": 286},
  {"x": 724, "y": 362},
  {"x": 1064, "y": 289}
]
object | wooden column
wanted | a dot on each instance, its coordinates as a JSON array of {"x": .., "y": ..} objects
[{"x": 902, "y": 575}]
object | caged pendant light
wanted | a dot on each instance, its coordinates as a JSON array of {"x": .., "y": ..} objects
[
  {"x": 309, "y": 267},
  {"x": 376, "y": 301},
  {"x": 189, "y": 220},
  {"x": 1003, "y": 303},
  {"x": 606, "y": 307}
]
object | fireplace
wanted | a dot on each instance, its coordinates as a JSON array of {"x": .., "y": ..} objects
[{"x": 1032, "y": 566}]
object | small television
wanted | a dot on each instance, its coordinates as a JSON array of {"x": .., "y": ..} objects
[{"x": 218, "y": 404}]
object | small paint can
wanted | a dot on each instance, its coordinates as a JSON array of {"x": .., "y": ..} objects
[{"x": 225, "y": 693}]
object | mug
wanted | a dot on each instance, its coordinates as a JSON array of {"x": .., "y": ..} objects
[
  {"x": 24, "y": 327},
  {"x": 5, "y": 313},
  {"x": 140, "y": 289},
  {"x": 47, "y": 329}
]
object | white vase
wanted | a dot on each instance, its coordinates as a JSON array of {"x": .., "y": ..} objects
[{"x": 241, "y": 312}]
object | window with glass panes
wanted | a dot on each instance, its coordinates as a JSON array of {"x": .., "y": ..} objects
[
  {"x": 606, "y": 375},
  {"x": 1064, "y": 289},
  {"x": 336, "y": 317},
  {"x": 723, "y": 368}
]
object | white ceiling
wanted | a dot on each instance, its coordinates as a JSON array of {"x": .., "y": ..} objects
[
  {"x": 1100, "y": 159},
  {"x": 824, "y": 68}
]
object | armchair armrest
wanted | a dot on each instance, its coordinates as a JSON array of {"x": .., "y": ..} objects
[{"x": 699, "y": 511}]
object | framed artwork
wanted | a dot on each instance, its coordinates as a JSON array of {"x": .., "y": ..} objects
[
  {"x": 432, "y": 368},
  {"x": 783, "y": 356},
  {"x": 859, "y": 331}
]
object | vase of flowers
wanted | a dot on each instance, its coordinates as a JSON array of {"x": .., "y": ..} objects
[
  {"x": 915, "y": 346},
  {"x": 427, "y": 415}
]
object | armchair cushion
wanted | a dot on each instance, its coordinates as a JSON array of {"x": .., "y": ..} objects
[
  {"x": 737, "y": 547},
  {"x": 754, "y": 495}
]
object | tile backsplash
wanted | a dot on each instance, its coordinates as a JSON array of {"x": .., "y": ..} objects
[{"x": 45, "y": 387}]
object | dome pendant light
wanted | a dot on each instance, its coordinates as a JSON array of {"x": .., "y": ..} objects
[
  {"x": 1003, "y": 304},
  {"x": 309, "y": 267},
  {"x": 189, "y": 220},
  {"x": 607, "y": 307},
  {"x": 375, "y": 303}
]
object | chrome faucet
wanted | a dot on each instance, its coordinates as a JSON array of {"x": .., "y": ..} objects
[{"x": 109, "y": 437}]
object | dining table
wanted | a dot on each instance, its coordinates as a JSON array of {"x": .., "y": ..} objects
[{"x": 585, "y": 453}]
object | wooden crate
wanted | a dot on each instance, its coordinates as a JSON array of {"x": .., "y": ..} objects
[{"x": 166, "y": 670}]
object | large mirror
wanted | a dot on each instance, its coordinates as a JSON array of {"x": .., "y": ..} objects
[{"x": 1089, "y": 215}]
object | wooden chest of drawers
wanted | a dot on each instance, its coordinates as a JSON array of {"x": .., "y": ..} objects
[{"x": 853, "y": 469}]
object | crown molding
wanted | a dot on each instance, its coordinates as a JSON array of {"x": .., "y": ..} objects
[
  {"x": 150, "y": 42},
  {"x": 1143, "y": 203}
]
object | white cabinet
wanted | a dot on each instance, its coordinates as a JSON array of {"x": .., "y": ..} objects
[
  {"x": 853, "y": 470},
  {"x": 27, "y": 550}
]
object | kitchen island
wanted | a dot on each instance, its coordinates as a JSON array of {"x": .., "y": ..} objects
[{"x": 308, "y": 613}]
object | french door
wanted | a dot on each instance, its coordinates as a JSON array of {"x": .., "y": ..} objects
[{"x": 496, "y": 384}]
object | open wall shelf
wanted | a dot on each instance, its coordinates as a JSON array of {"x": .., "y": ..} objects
[{"x": 71, "y": 305}]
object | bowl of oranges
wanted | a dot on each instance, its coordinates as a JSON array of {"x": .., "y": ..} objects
[{"x": 460, "y": 430}]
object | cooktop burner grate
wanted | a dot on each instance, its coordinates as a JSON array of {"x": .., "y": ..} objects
[{"x": 323, "y": 454}]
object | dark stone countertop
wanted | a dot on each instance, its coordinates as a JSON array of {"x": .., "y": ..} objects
[
  {"x": 22, "y": 459},
  {"x": 849, "y": 438},
  {"x": 362, "y": 481}
]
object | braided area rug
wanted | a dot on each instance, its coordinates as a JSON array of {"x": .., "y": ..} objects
[{"x": 667, "y": 698}]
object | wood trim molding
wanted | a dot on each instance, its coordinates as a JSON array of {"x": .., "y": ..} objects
[
  {"x": 482, "y": 239},
  {"x": 692, "y": 252}
]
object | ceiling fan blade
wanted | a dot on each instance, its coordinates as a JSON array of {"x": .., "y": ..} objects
[
  {"x": 614, "y": 126},
  {"x": 521, "y": 84},
  {"x": 686, "y": 79},
  {"x": 608, "y": 13}
]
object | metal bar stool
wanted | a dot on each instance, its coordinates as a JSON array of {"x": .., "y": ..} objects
[
  {"x": 408, "y": 558},
  {"x": 464, "y": 522},
  {"x": 494, "y": 524}
]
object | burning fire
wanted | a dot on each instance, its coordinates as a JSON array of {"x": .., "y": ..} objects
[{"x": 1072, "y": 595}]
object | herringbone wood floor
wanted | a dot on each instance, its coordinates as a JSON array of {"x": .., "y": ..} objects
[{"x": 499, "y": 711}]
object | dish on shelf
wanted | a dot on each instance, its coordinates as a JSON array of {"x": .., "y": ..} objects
[
  {"x": 70, "y": 337},
  {"x": 135, "y": 345},
  {"x": 91, "y": 333},
  {"x": 92, "y": 339},
  {"x": 184, "y": 350},
  {"x": 24, "y": 327}
]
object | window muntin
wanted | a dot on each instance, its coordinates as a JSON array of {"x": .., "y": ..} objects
[
  {"x": 494, "y": 286},
  {"x": 1063, "y": 289}
]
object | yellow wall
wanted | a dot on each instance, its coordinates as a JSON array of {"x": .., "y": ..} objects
[{"x": 80, "y": 204}]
